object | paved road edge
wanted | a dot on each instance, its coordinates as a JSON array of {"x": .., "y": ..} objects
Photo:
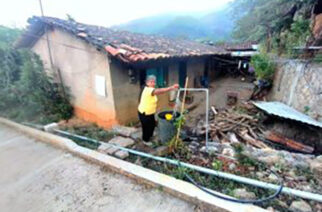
[{"x": 175, "y": 187}]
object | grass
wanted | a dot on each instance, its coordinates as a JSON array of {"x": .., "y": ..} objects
[{"x": 90, "y": 131}]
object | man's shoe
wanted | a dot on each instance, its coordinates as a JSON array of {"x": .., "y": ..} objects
[{"x": 148, "y": 143}]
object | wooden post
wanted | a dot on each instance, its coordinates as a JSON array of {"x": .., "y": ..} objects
[{"x": 182, "y": 108}]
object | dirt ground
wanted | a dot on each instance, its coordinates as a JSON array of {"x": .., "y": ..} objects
[{"x": 218, "y": 96}]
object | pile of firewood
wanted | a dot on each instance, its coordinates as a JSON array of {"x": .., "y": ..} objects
[{"x": 242, "y": 123}]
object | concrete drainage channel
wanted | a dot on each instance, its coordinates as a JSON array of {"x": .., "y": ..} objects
[{"x": 178, "y": 188}]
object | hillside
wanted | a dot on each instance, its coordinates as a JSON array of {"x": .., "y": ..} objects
[{"x": 216, "y": 25}]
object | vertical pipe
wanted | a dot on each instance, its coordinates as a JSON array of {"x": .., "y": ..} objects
[
  {"x": 207, "y": 107},
  {"x": 207, "y": 117},
  {"x": 49, "y": 52}
]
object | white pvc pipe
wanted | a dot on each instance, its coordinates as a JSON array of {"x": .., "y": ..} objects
[
  {"x": 290, "y": 191},
  {"x": 207, "y": 106}
]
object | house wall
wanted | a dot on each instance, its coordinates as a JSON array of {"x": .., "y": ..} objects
[
  {"x": 299, "y": 85},
  {"x": 79, "y": 64},
  {"x": 195, "y": 69},
  {"x": 126, "y": 94}
]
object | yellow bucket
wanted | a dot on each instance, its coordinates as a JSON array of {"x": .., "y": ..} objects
[{"x": 168, "y": 116}]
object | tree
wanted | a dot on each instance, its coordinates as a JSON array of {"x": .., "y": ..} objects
[
  {"x": 8, "y": 36},
  {"x": 25, "y": 89},
  {"x": 260, "y": 20}
]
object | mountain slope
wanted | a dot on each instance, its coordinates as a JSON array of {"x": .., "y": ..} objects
[{"x": 214, "y": 26}]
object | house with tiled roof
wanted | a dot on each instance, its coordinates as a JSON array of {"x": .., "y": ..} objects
[{"x": 105, "y": 68}]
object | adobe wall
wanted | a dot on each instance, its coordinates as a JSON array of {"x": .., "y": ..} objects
[
  {"x": 79, "y": 64},
  {"x": 195, "y": 69},
  {"x": 126, "y": 94},
  {"x": 299, "y": 85}
]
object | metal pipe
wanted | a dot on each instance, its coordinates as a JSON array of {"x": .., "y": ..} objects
[
  {"x": 289, "y": 191},
  {"x": 207, "y": 106}
]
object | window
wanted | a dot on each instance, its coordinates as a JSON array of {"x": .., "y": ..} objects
[
  {"x": 161, "y": 75},
  {"x": 100, "y": 85}
]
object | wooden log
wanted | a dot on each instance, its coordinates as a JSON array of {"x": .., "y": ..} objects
[
  {"x": 214, "y": 110},
  {"x": 244, "y": 135},
  {"x": 275, "y": 137}
]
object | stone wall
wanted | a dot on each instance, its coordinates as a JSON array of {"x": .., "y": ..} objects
[{"x": 299, "y": 85}]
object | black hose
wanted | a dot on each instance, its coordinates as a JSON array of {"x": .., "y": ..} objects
[
  {"x": 278, "y": 191},
  {"x": 244, "y": 201}
]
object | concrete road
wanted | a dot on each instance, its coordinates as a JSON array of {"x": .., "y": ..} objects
[{"x": 37, "y": 177}]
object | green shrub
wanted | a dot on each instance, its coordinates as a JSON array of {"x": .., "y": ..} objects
[
  {"x": 26, "y": 92},
  {"x": 264, "y": 67}
]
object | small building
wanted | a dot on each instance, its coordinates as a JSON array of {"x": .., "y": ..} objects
[{"x": 105, "y": 69}]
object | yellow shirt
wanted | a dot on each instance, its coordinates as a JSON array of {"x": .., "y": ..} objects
[{"x": 148, "y": 102}]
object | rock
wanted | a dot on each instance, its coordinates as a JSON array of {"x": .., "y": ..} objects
[
  {"x": 219, "y": 146},
  {"x": 282, "y": 204},
  {"x": 194, "y": 143},
  {"x": 122, "y": 154},
  {"x": 301, "y": 178},
  {"x": 193, "y": 148},
  {"x": 137, "y": 135},
  {"x": 306, "y": 187},
  {"x": 260, "y": 175},
  {"x": 51, "y": 127},
  {"x": 111, "y": 150},
  {"x": 232, "y": 166},
  {"x": 229, "y": 152},
  {"x": 203, "y": 149},
  {"x": 271, "y": 160},
  {"x": 121, "y": 141},
  {"x": 124, "y": 131},
  {"x": 210, "y": 150},
  {"x": 316, "y": 168},
  {"x": 103, "y": 148},
  {"x": 292, "y": 174},
  {"x": 241, "y": 193},
  {"x": 232, "y": 137},
  {"x": 273, "y": 178},
  {"x": 160, "y": 151},
  {"x": 300, "y": 206},
  {"x": 270, "y": 209}
]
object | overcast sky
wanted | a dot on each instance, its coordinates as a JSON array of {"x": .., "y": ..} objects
[{"x": 99, "y": 12}]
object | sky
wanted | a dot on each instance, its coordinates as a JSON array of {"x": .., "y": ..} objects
[{"x": 14, "y": 13}]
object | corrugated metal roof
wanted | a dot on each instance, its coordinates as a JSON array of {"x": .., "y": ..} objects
[{"x": 284, "y": 111}]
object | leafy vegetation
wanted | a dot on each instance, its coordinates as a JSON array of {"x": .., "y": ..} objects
[
  {"x": 8, "y": 36},
  {"x": 264, "y": 67},
  {"x": 91, "y": 131},
  {"x": 27, "y": 93},
  {"x": 176, "y": 144},
  {"x": 279, "y": 24}
]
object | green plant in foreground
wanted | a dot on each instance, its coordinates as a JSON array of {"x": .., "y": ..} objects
[
  {"x": 217, "y": 165},
  {"x": 176, "y": 143},
  {"x": 306, "y": 110}
]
